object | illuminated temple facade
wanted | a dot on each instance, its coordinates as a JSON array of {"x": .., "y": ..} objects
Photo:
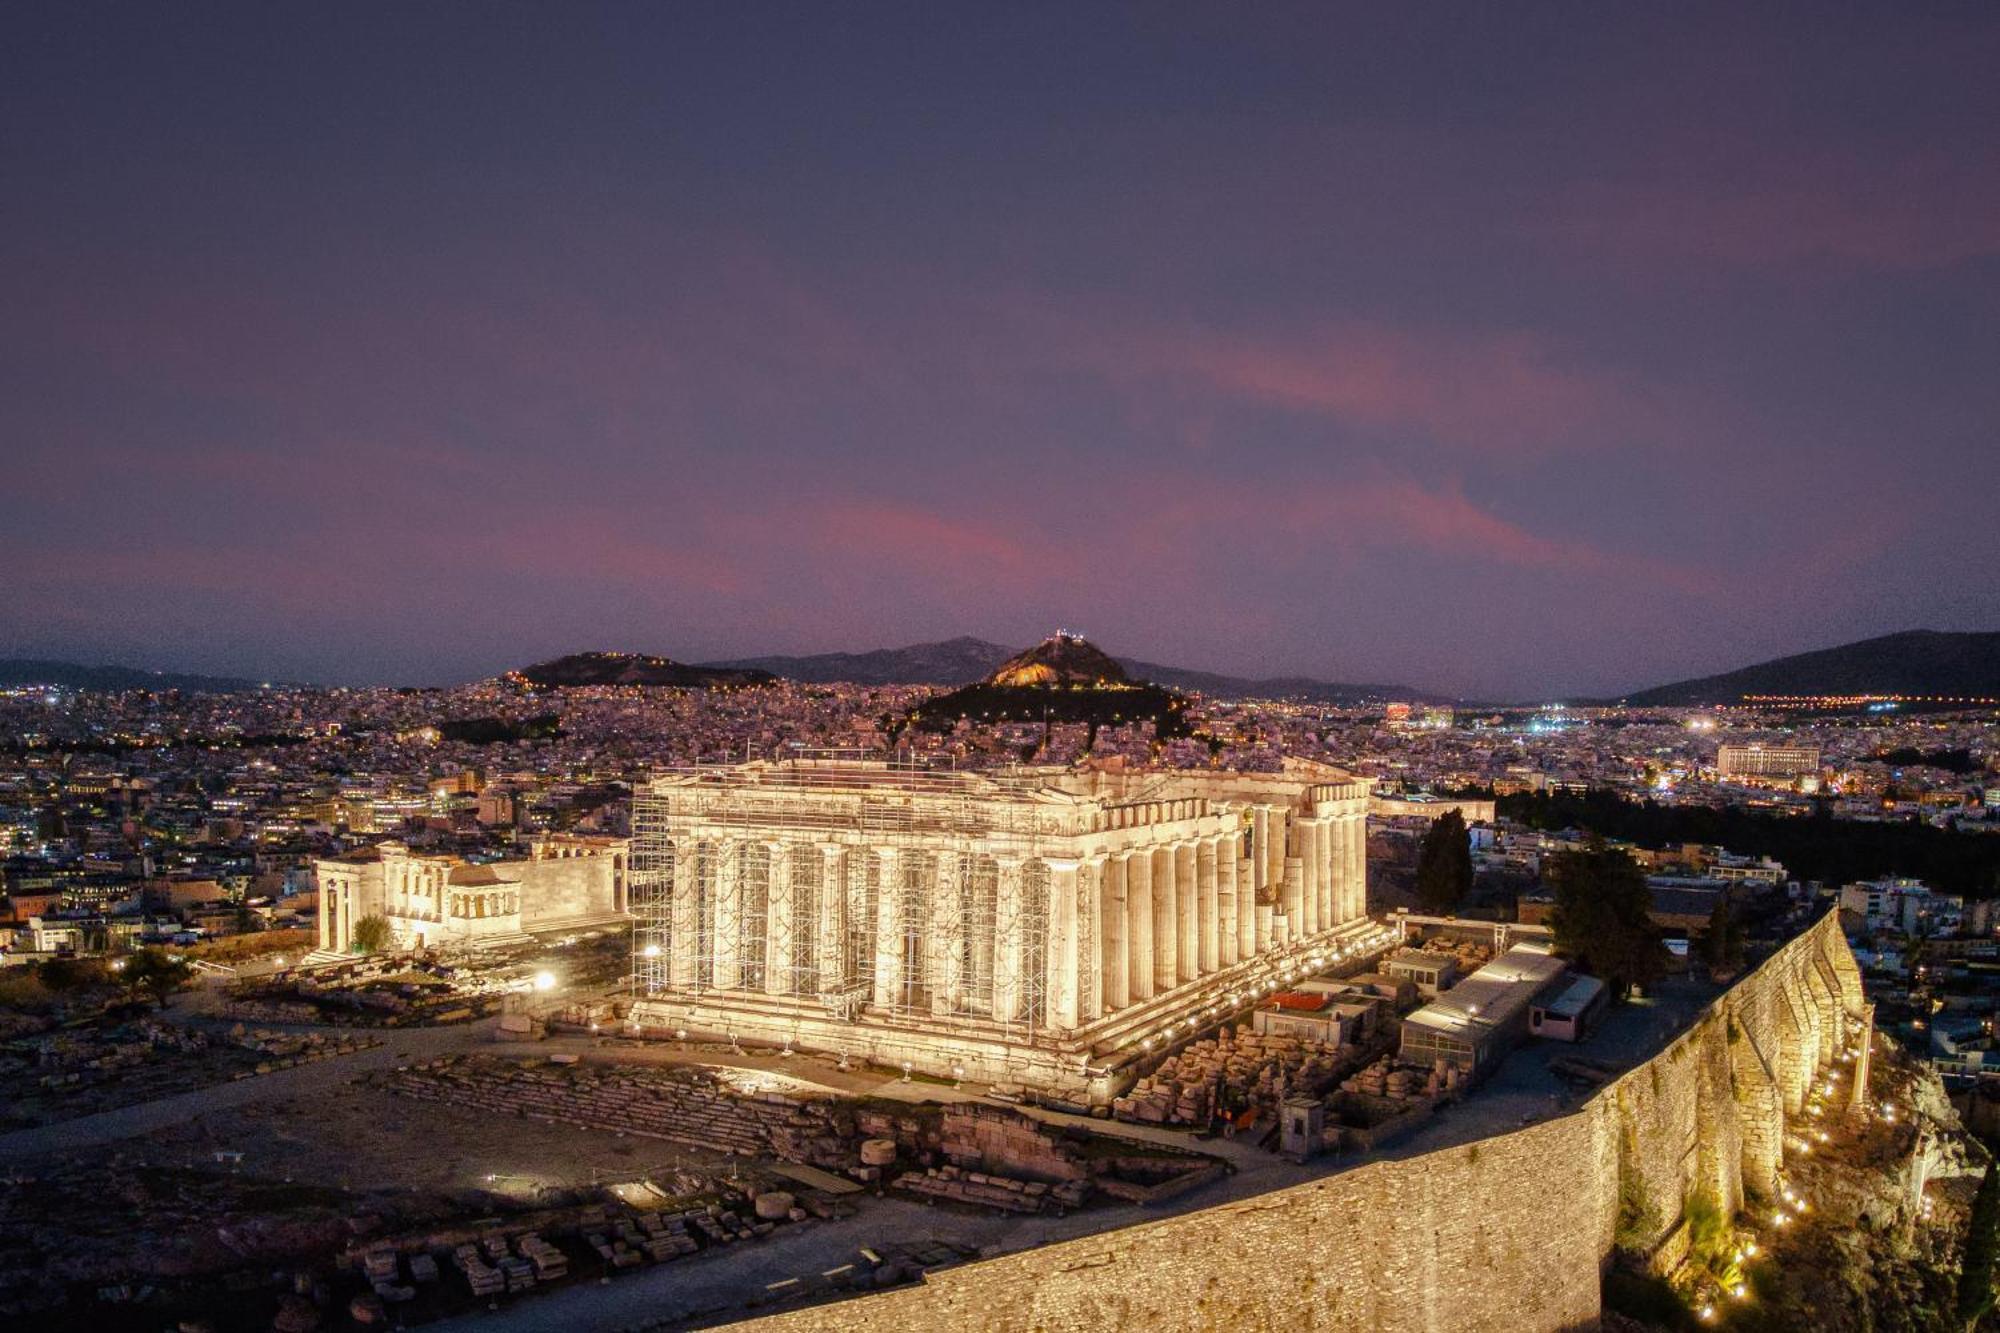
[
  {"x": 1039, "y": 926},
  {"x": 428, "y": 900}
]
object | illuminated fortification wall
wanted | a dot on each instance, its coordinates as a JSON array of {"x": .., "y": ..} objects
[{"x": 1505, "y": 1234}]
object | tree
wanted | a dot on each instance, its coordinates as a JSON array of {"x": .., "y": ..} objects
[
  {"x": 1722, "y": 942},
  {"x": 371, "y": 934},
  {"x": 1982, "y": 1247},
  {"x": 151, "y": 972},
  {"x": 1444, "y": 864},
  {"x": 1602, "y": 917},
  {"x": 59, "y": 976}
]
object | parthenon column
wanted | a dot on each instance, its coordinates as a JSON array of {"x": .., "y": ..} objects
[
  {"x": 1090, "y": 939},
  {"x": 1259, "y": 851},
  {"x": 1343, "y": 864},
  {"x": 726, "y": 935},
  {"x": 1246, "y": 901},
  {"x": 1274, "y": 848},
  {"x": 1166, "y": 922},
  {"x": 1139, "y": 922},
  {"x": 1329, "y": 879},
  {"x": 1308, "y": 877},
  {"x": 832, "y": 940},
  {"x": 780, "y": 923},
  {"x": 1336, "y": 906},
  {"x": 1357, "y": 851},
  {"x": 684, "y": 940},
  {"x": 1060, "y": 952},
  {"x": 1187, "y": 886},
  {"x": 888, "y": 928},
  {"x": 1228, "y": 928},
  {"x": 947, "y": 942},
  {"x": 1290, "y": 900},
  {"x": 1205, "y": 906},
  {"x": 1009, "y": 951},
  {"x": 1114, "y": 988}
]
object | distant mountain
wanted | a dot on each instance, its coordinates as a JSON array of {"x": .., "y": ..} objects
[
  {"x": 952, "y": 662},
  {"x": 1064, "y": 678},
  {"x": 19, "y": 671},
  {"x": 631, "y": 669},
  {"x": 1914, "y": 662},
  {"x": 1279, "y": 687},
  {"x": 1060, "y": 659},
  {"x": 965, "y": 660}
]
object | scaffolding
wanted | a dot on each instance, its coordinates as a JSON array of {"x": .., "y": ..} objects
[{"x": 843, "y": 885}]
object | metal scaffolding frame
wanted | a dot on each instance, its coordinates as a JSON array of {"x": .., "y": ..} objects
[{"x": 967, "y": 937}]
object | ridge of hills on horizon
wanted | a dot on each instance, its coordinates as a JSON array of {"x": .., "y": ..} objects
[
  {"x": 16, "y": 672},
  {"x": 1921, "y": 663},
  {"x": 965, "y": 660},
  {"x": 1934, "y": 663},
  {"x": 599, "y": 668}
]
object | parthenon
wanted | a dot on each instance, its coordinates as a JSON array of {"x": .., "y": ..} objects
[{"x": 1040, "y": 926}]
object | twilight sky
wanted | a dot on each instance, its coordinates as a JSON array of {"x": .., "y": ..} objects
[{"x": 1515, "y": 350}]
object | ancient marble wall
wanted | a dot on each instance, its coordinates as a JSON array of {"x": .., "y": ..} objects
[{"x": 1508, "y": 1233}]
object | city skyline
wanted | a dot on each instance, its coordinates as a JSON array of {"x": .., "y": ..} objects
[{"x": 1554, "y": 353}]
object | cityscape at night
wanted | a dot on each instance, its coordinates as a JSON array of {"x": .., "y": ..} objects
[{"x": 1033, "y": 667}]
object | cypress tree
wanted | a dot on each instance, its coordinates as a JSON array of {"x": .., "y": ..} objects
[{"x": 1444, "y": 864}]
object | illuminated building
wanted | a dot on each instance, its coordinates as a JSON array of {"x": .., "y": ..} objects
[
  {"x": 1756, "y": 760},
  {"x": 1041, "y": 926},
  {"x": 432, "y": 901}
]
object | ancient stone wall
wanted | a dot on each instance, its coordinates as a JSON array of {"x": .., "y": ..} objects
[
  {"x": 1506, "y": 1233},
  {"x": 564, "y": 887}
]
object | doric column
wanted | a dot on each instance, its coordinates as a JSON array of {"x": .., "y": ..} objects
[
  {"x": 1308, "y": 922},
  {"x": 1343, "y": 887},
  {"x": 1114, "y": 987},
  {"x": 1259, "y": 852},
  {"x": 889, "y": 928},
  {"x": 832, "y": 933},
  {"x": 1166, "y": 922},
  {"x": 1274, "y": 847},
  {"x": 1060, "y": 951},
  {"x": 1246, "y": 903},
  {"x": 1229, "y": 941},
  {"x": 948, "y": 935},
  {"x": 1009, "y": 951},
  {"x": 1357, "y": 859},
  {"x": 1329, "y": 881},
  {"x": 780, "y": 922},
  {"x": 726, "y": 934},
  {"x": 980, "y": 918},
  {"x": 1139, "y": 923},
  {"x": 1090, "y": 939},
  {"x": 1291, "y": 897},
  {"x": 1187, "y": 894},
  {"x": 684, "y": 939},
  {"x": 1210, "y": 933},
  {"x": 1329, "y": 876}
]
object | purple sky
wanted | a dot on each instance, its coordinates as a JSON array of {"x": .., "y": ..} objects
[{"x": 1511, "y": 350}]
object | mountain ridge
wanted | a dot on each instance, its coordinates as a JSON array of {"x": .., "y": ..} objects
[
  {"x": 1919, "y": 662},
  {"x": 647, "y": 669},
  {"x": 28, "y": 671},
  {"x": 967, "y": 659}
]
